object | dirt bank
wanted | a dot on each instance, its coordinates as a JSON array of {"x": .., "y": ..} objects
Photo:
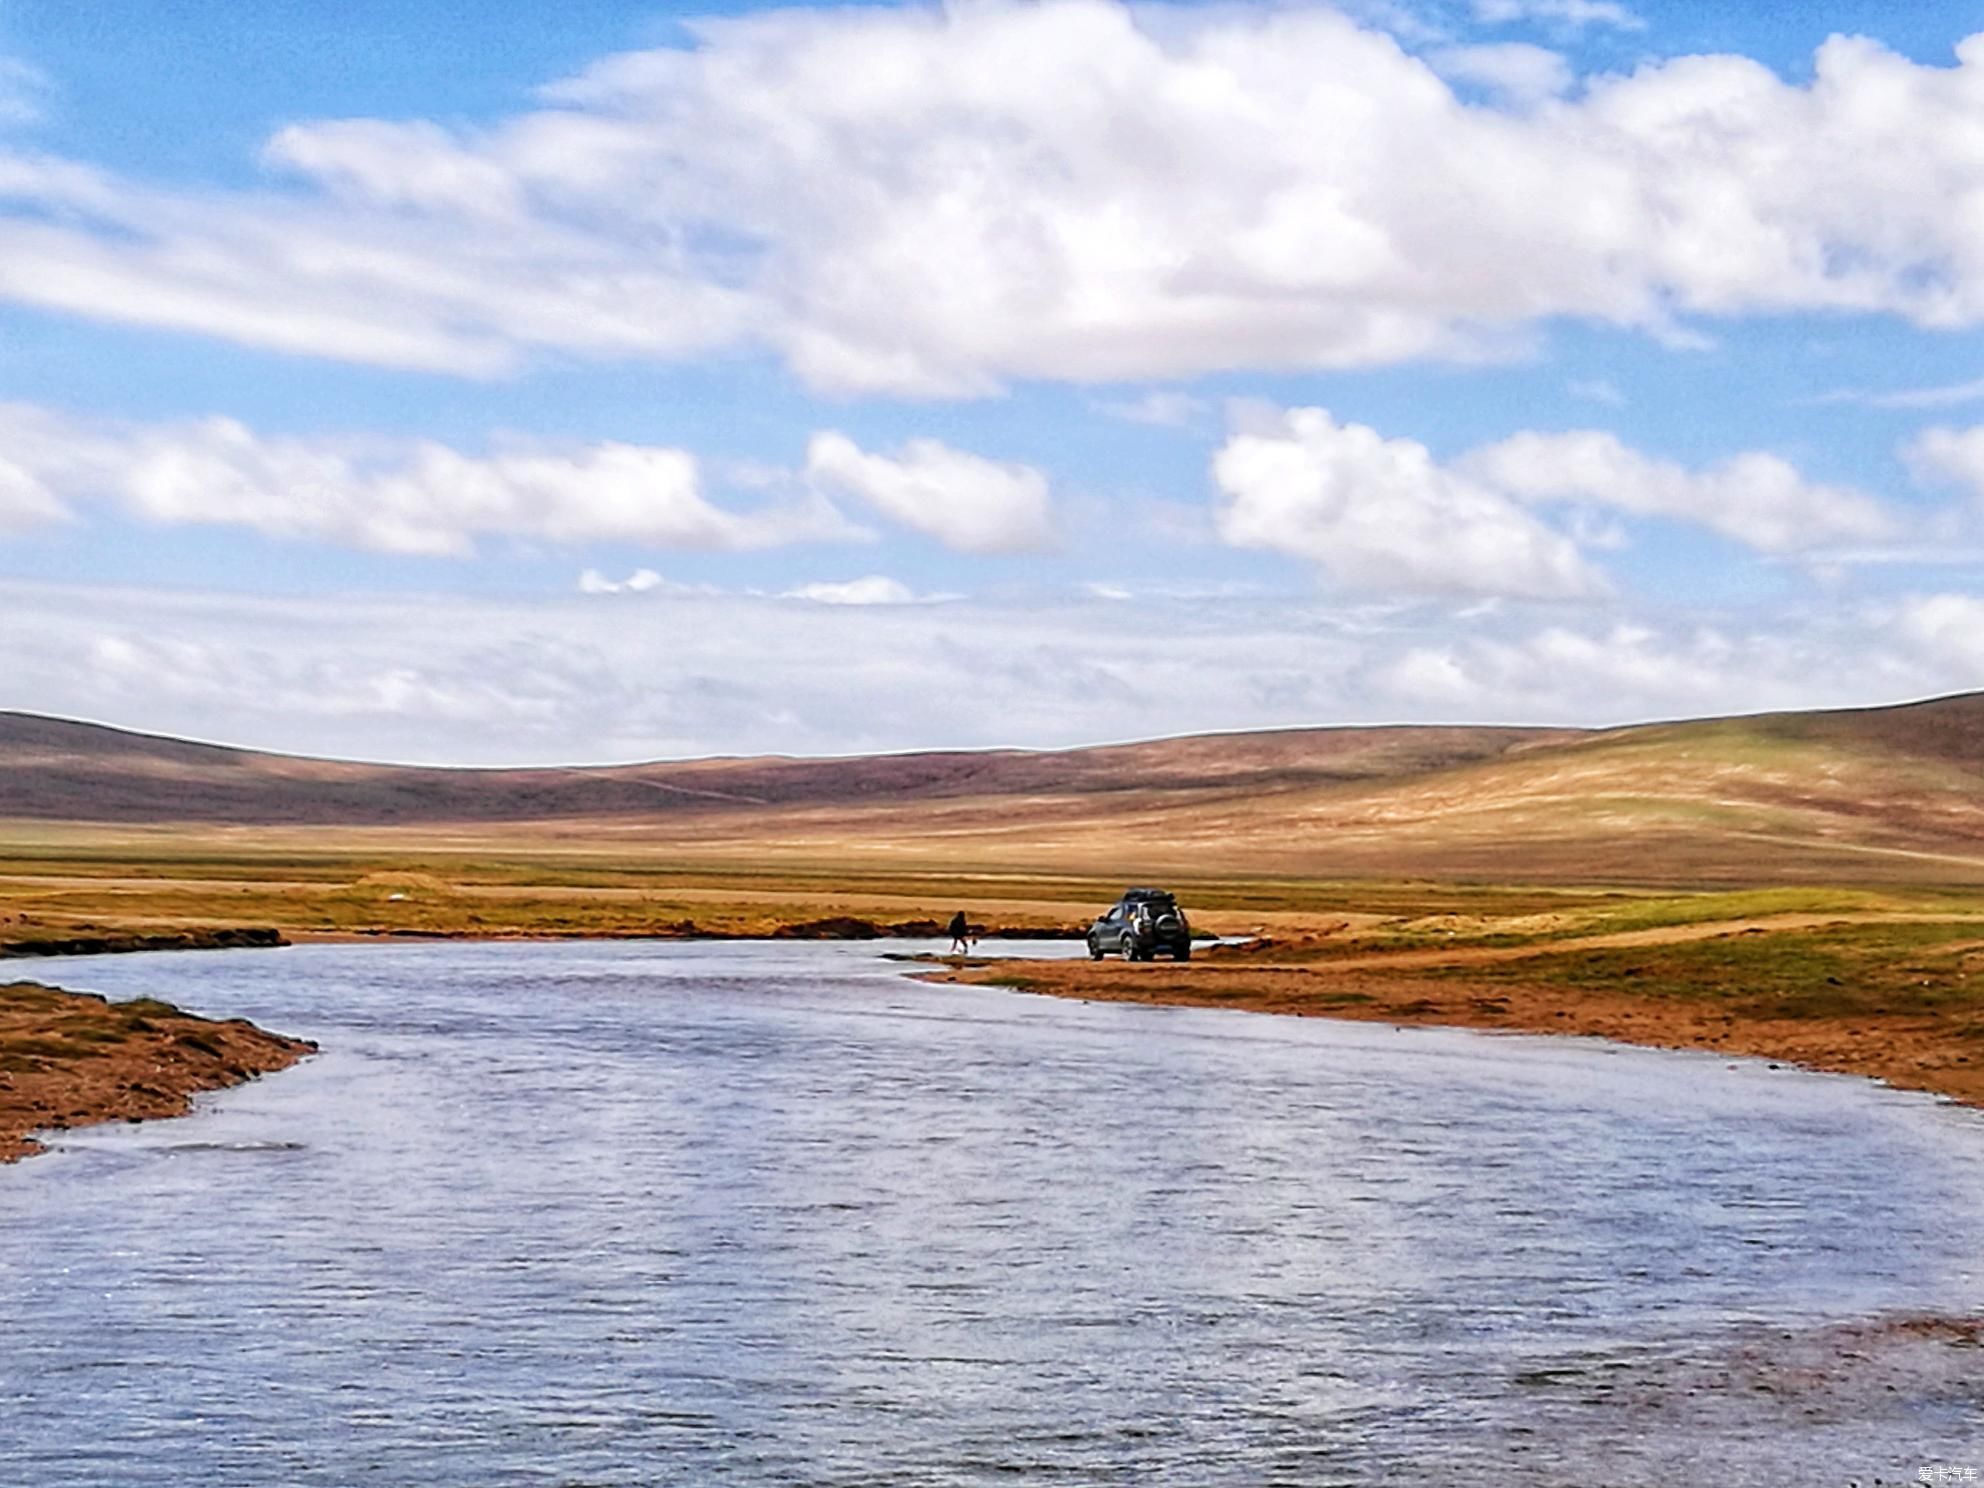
[
  {"x": 1892, "y": 1001},
  {"x": 74, "y": 1059}
]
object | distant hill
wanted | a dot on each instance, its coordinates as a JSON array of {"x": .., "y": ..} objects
[
  {"x": 56, "y": 770},
  {"x": 1857, "y": 795}
]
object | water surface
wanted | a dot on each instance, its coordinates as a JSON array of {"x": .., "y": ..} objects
[{"x": 765, "y": 1214}]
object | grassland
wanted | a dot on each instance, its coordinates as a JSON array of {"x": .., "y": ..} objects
[{"x": 1802, "y": 886}]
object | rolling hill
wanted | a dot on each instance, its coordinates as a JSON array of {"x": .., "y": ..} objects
[
  {"x": 55, "y": 770},
  {"x": 1867, "y": 795}
]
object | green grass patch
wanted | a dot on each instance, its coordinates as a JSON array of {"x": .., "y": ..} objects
[
  {"x": 1542, "y": 922},
  {"x": 1876, "y": 970}
]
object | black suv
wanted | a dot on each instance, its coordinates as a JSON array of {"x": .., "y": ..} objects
[{"x": 1142, "y": 923}]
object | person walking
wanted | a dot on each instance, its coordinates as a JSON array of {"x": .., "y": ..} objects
[{"x": 960, "y": 934}]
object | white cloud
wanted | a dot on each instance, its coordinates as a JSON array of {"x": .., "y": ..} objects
[
  {"x": 471, "y": 680},
  {"x": 1635, "y": 669},
  {"x": 1377, "y": 513},
  {"x": 1947, "y": 630},
  {"x": 875, "y": 589},
  {"x": 463, "y": 679},
  {"x": 393, "y": 496},
  {"x": 640, "y": 581},
  {"x": 939, "y": 201},
  {"x": 414, "y": 165},
  {"x": 1754, "y": 497},
  {"x": 1561, "y": 12},
  {"x": 1518, "y": 71},
  {"x": 25, "y": 498},
  {"x": 1948, "y": 457},
  {"x": 963, "y": 500},
  {"x": 431, "y": 287},
  {"x": 1550, "y": 668}
]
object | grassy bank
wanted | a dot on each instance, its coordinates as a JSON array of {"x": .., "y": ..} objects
[
  {"x": 69, "y": 1059},
  {"x": 1891, "y": 989}
]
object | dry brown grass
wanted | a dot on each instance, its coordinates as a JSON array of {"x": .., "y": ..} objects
[
  {"x": 68, "y": 1059},
  {"x": 1879, "y": 796}
]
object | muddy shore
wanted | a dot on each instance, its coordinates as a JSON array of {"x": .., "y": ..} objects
[{"x": 70, "y": 1059}]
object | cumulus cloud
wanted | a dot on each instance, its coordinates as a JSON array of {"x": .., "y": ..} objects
[
  {"x": 387, "y": 495},
  {"x": 963, "y": 500},
  {"x": 938, "y": 201},
  {"x": 1754, "y": 497},
  {"x": 1377, "y": 513},
  {"x": 1383, "y": 514}
]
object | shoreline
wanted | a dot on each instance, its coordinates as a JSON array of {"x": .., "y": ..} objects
[
  {"x": 125, "y": 942},
  {"x": 1925, "y": 1054},
  {"x": 836, "y": 927},
  {"x": 839, "y": 928},
  {"x": 71, "y": 1059},
  {"x": 1509, "y": 988}
]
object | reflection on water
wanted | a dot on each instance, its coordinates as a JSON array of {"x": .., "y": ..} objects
[{"x": 639, "y": 1213}]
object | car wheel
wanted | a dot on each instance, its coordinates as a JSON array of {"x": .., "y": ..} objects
[
  {"x": 1094, "y": 949},
  {"x": 1130, "y": 949},
  {"x": 1183, "y": 953}
]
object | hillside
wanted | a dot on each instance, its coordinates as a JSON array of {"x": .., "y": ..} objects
[
  {"x": 55, "y": 770},
  {"x": 1869, "y": 795}
]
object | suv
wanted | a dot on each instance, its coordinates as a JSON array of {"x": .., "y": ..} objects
[{"x": 1142, "y": 923}]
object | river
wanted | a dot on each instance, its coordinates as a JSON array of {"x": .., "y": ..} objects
[{"x": 630, "y": 1213}]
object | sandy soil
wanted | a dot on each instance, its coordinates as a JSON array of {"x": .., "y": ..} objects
[
  {"x": 1908, "y": 1051},
  {"x": 73, "y": 1059}
]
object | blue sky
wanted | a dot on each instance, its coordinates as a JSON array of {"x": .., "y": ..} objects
[{"x": 437, "y": 382}]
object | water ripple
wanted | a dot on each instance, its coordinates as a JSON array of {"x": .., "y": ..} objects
[{"x": 618, "y": 1214}]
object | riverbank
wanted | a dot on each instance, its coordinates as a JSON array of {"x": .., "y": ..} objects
[
  {"x": 1851, "y": 978},
  {"x": 116, "y": 943},
  {"x": 1886, "y": 997},
  {"x": 836, "y": 927},
  {"x": 70, "y": 1059}
]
